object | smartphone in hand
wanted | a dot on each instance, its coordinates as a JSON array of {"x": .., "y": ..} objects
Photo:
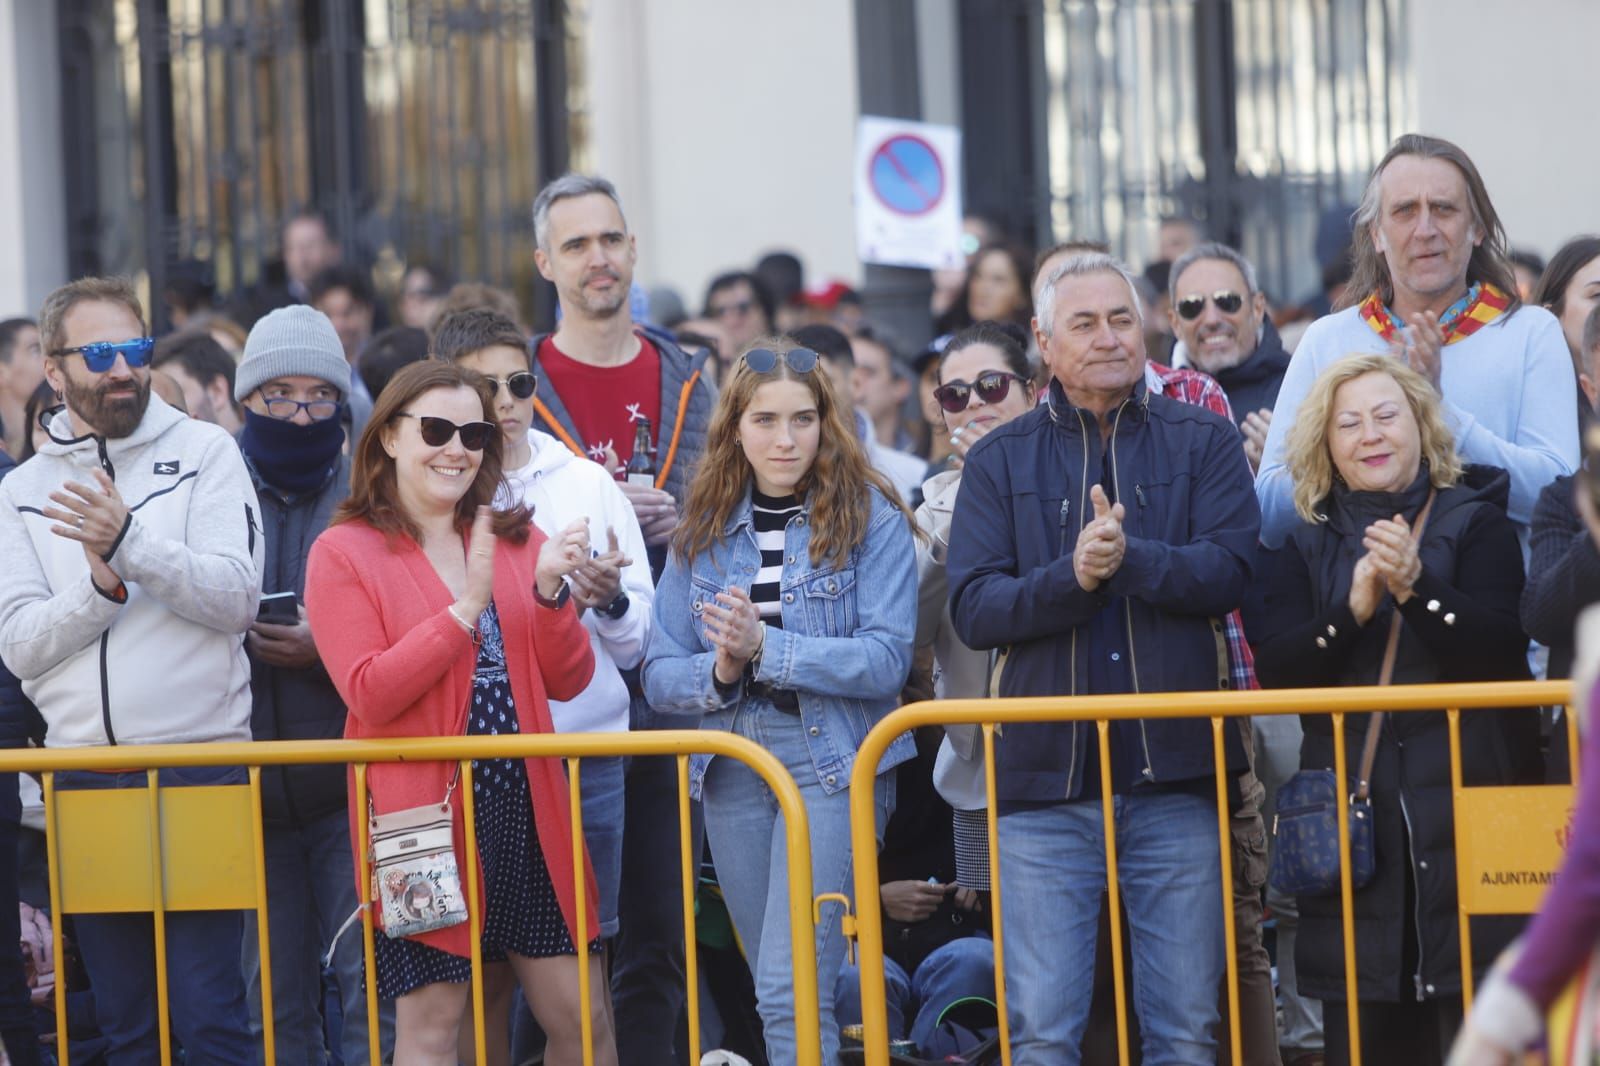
[{"x": 279, "y": 609}]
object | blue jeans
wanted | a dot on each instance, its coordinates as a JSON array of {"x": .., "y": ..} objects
[
  {"x": 648, "y": 969},
  {"x": 1053, "y": 872},
  {"x": 745, "y": 829},
  {"x": 961, "y": 969},
  {"x": 601, "y": 781},
  {"x": 311, "y": 890},
  {"x": 206, "y": 989}
]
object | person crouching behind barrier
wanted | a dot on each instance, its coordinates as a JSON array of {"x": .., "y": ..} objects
[
  {"x": 1369, "y": 451},
  {"x": 436, "y": 616},
  {"x": 786, "y": 615}
]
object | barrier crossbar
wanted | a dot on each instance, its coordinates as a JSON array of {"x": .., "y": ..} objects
[
  {"x": 196, "y": 855},
  {"x": 994, "y": 714}
]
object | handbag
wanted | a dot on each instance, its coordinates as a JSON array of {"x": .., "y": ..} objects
[
  {"x": 1305, "y": 858},
  {"x": 416, "y": 881}
]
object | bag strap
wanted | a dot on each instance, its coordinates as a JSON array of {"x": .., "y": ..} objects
[{"x": 1369, "y": 746}]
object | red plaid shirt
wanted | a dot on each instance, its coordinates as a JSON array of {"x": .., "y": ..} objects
[{"x": 1191, "y": 386}]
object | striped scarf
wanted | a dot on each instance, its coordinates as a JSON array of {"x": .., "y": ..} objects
[{"x": 1482, "y": 304}]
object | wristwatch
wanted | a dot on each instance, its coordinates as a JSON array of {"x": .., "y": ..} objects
[
  {"x": 616, "y": 608},
  {"x": 556, "y": 604}
]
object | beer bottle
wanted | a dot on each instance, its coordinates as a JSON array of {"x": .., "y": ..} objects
[{"x": 641, "y": 466}]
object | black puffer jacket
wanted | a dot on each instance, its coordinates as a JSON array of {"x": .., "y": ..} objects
[{"x": 1461, "y": 624}]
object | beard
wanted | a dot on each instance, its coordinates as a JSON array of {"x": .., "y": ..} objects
[
  {"x": 601, "y": 304},
  {"x": 113, "y": 417}
]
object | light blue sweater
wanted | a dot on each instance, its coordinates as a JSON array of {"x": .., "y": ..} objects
[{"x": 1510, "y": 398}]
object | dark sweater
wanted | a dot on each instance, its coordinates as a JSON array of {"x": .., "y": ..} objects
[{"x": 1563, "y": 573}]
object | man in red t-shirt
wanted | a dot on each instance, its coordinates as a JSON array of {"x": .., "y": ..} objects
[
  {"x": 597, "y": 374},
  {"x": 600, "y": 373}
]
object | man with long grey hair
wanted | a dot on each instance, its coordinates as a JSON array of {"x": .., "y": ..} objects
[{"x": 1433, "y": 285}]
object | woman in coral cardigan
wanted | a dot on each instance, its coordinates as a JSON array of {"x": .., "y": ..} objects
[{"x": 427, "y": 605}]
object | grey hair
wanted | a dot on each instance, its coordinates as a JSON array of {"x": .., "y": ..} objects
[
  {"x": 1212, "y": 250},
  {"x": 1077, "y": 266},
  {"x": 567, "y": 187}
]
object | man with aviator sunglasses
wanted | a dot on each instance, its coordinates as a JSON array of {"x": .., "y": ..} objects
[
  {"x": 134, "y": 552},
  {"x": 1219, "y": 316}
]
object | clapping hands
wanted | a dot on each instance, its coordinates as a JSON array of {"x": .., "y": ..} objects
[{"x": 1101, "y": 543}]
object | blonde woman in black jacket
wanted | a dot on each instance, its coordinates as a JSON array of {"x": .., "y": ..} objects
[{"x": 1369, "y": 449}]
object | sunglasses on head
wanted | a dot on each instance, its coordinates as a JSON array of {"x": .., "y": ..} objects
[
  {"x": 436, "y": 432},
  {"x": 991, "y": 387},
  {"x": 1192, "y": 307},
  {"x": 765, "y": 360},
  {"x": 101, "y": 355},
  {"x": 521, "y": 385}
]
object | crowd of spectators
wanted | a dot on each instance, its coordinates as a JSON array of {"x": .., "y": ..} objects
[{"x": 408, "y": 514}]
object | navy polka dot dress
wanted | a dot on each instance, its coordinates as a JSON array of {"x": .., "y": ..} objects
[{"x": 523, "y": 915}]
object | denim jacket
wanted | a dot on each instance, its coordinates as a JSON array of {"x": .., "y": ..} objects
[{"x": 845, "y": 645}]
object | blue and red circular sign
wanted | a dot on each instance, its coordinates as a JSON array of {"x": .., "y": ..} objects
[{"x": 906, "y": 175}]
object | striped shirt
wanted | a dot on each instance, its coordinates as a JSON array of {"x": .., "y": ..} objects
[{"x": 770, "y": 515}]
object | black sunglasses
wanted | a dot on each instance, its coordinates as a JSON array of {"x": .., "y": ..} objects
[
  {"x": 991, "y": 387},
  {"x": 436, "y": 432},
  {"x": 765, "y": 360},
  {"x": 1192, "y": 307},
  {"x": 520, "y": 385},
  {"x": 100, "y": 356}
]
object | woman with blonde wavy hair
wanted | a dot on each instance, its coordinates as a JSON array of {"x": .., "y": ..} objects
[
  {"x": 1370, "y": 451},
  {"x": 785, "y": 614}
]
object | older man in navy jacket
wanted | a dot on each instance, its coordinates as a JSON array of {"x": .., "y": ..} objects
[{"x": 1098, "y": 542}]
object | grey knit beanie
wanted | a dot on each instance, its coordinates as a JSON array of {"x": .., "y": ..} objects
[{"x": 290, "y": 341}]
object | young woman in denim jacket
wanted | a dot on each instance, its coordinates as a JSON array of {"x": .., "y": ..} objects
[{"x": 785, "y": 614}]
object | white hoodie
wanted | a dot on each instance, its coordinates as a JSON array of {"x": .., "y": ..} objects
[
  {"x": 562, "y": 488},
  {"x": 168, "y": 665}
]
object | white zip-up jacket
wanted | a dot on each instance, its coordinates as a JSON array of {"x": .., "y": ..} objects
[
  {"x": 562, "y": 488},
  {"x": 167, "y": 665}
]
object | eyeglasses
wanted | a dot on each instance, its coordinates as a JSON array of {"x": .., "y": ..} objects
[
  {"x": 740, "y": 307},
  {"x": 282, "y": 407},
  {"x": 1192, "y": 307},
  {"x": 520, "y": 385},
  {"x": 102, "y": 355},
  {"x": 765, "y": 360},
  {"x": 991, "y": 387},
  {"x": 436, "y": 432}
]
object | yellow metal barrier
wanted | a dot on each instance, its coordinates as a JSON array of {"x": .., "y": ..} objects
[
  {"x": 1102, "y": 710},
  {"x": 171, "y": 848}
]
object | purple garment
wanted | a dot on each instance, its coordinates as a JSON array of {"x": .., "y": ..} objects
[{"x": 1567, "y": 927}]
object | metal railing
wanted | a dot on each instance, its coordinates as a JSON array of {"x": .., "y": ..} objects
[
  {"x": 184, "y": 848},
  {"x": 1102, "y": 710}
]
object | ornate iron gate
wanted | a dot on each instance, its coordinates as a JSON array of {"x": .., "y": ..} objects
[
  {"x": 422, "y": 128},
  {"x": 1252, "y": 116}
]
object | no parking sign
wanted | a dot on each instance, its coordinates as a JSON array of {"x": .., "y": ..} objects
[{"x": 908, "y": 193}]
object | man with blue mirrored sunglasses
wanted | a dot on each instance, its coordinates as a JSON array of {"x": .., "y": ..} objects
[
  {"x": 133, "y": 550},
  {"x": 102, "y": 355}
]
